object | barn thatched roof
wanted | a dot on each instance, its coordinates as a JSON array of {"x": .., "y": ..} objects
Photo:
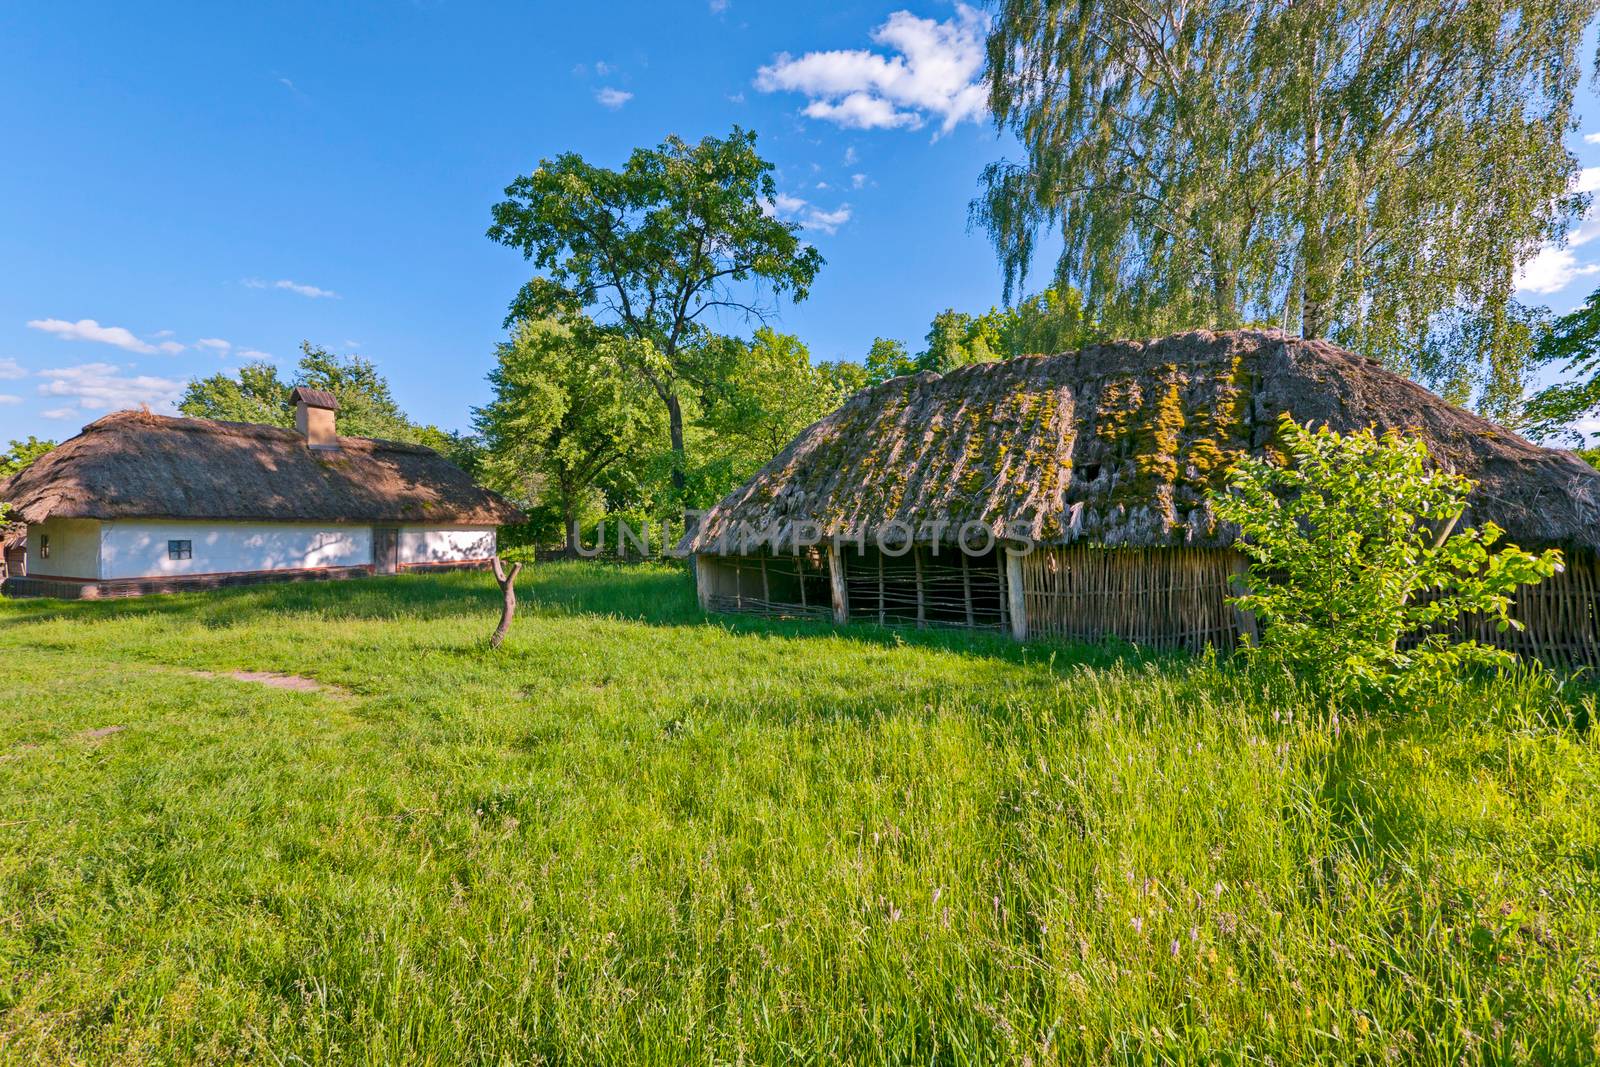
[
  {"x": 134, "y": 464},
  {"x": 1118, "y": 444}
]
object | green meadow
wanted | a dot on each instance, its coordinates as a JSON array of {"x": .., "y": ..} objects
[{"x": 638, "y": 834}]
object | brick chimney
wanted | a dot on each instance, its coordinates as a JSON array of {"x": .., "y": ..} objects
[{"x": 313, "y": 416}]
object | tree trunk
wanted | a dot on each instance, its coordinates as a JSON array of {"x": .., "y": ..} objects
[
  {"x": 508, "y": 588},
  {"x": 569, "y": 516},
  {"x": 675, "y": 427}
]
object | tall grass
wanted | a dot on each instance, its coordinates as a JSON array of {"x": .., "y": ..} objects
[{"x": 638, "y": 835}]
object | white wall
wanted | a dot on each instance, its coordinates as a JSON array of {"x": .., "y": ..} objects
[
  {"x": 451, "y": 544},
  {"x": 74, "y": 548},
  {"x": 137, "y": 548}
]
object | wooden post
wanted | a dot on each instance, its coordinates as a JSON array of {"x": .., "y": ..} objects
[
  {"x": 922, "y": 607},
  {"x": 702, "y": 580},
  {"x": 508, "y": 588},
  {"x": 1243, "y": 621},
  {"x": 880, "y": 588},
  {"x": 966, "y": 584},
  {"x": 836, "y": 586},
  {"x": 1014, "y": 597},
  {"x": 766, "y": 590}
]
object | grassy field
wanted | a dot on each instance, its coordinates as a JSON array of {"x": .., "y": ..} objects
[{"x": 636, "y": 835}]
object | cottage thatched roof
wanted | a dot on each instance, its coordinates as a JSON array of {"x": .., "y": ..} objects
[
  {"x": 1118, "y": 444},
  {"x": 134, "y": 464}
]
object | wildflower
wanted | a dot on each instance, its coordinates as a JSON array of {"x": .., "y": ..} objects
[
  {"x": 1174, "y": 946},
  {"x": 1137, "y": 923}
]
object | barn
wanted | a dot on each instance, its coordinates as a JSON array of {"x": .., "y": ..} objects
[
  {"x": 1065, "y": 496},
  {"x": 142, "y": 503}
]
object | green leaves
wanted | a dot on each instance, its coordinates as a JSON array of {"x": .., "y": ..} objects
[
  {"x": 1361, "y": 171},
  {"x": 22, "y": 454},
  {"x": 681, "y": 231},
  {"x": 1358, "y": 574}
]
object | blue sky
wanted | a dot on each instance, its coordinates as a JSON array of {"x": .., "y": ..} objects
[{"x": 188, "y": 186}]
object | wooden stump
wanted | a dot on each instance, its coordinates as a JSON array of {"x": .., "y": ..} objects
[{"x": 508, "y": 589}]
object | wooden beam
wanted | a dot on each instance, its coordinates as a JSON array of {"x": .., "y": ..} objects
[
  {"x": 966, "y": 584},
  {"x": 1243, "y": 621},
  {"x": 836, "y": 586},
  {"x": 1014, "y": 597},
  {"x": 922, "y": 602},
  {"x": 702, "y": 580}
]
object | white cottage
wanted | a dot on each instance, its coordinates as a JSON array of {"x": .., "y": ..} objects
[{"x": 141, "y": 503}]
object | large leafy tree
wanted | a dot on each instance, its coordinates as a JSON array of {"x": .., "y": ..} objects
[
  {"x": 567, "y": 409},
  {"x": 367, "y": 407},
  {"x": 1573, "y": 341},
  {"x": 652, "y": 250},
  {"x": 772, "y": 391},
  {"x": 1051, "y": 322},
  {"x": 21, "y": 455},
  {"x": 1352, "y": 170}
]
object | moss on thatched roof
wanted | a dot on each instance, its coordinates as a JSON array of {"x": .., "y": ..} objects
[
  {"x": 137, "y": 465},
  {"x": 1119, "y": 443}
]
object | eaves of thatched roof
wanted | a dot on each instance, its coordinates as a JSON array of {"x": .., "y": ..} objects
[
  {"x": 1118, "y": 445},
  {"x": 133, "y": 464}
]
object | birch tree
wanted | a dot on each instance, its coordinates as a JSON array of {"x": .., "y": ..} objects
[{"x": 1350, "y": 170}]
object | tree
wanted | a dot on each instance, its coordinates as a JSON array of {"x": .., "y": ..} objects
[
  {"x": 1356, "y": 573},
  {"x": 566, "y": 409},
  {"x": 681, "y": 230},
  {"x": 21, "y": 455},
  {"x": 256, "y": 395},
  {"x": 1574, "y": 341},
  {"x": 771, "y": 393},
  {"x": 888, "y": 359},
  {"x": 367, "y": 407},
  {"x": 1350, "y": 169}
]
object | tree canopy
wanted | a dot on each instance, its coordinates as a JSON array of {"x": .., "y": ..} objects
[
  {"x": 21, "y": 454},
  {"x": 367, "y": 407},
  {"x": 653, "y": 250},
  {"x": 566, "y": 410},
  {"x": 1351, "y": 170},
  {"x": 1573, "y": 341}
]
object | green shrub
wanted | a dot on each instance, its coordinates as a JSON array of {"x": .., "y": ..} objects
[{"x": 1357, "y": 571}]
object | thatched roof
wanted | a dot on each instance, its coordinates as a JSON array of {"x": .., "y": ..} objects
[
  {"x": 1118, "y": 444},
  {"x": 134, "y": 464},
  {"x": 13, "y": 536}
]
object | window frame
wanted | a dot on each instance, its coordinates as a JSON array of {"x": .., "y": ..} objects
[
  {"x": 180, "y": 549},
  {"x": 44, "y": 546}
]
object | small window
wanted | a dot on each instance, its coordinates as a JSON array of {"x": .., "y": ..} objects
[
  {"x": 180, "y": 549},
  {"x": 44, "y": 546}
]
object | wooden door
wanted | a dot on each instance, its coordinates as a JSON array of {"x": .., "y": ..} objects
[{"x": 385, "y": 549}]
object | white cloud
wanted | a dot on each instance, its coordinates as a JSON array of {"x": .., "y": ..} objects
[
  {"x": 602, "y": 68},
  {"x": 612, "y": 98},
  {"x": 1591, "y": 138},
  {"x": 850, "y": 156},
  {"x": 7, "y": 398},
  {"x": 90, "y": 330},
  {"x": 11, "y": 370},
  {"x": 254, "y": 353},
  {"x": 1588, "y": 180},
  {"x": 718, "y": 6},
  {"x": 215, "y": 344},
  {"x": 1552, "y": 270},
  {"x": 858, "y": 181},
  {"x": 311, "y": 291},
  {"x": 171, "y": 348},
  {"x": 808, "y": 214},
  {"x": 104, "y": 387},
  {"x": 59, "y": 413},
  {"x": 935, "y": 71}
]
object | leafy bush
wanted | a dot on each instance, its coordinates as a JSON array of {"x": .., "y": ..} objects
[{"x": 1357, "y": 571}]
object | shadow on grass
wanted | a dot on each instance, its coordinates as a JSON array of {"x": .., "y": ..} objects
[{"x": 657, "y": 595}]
